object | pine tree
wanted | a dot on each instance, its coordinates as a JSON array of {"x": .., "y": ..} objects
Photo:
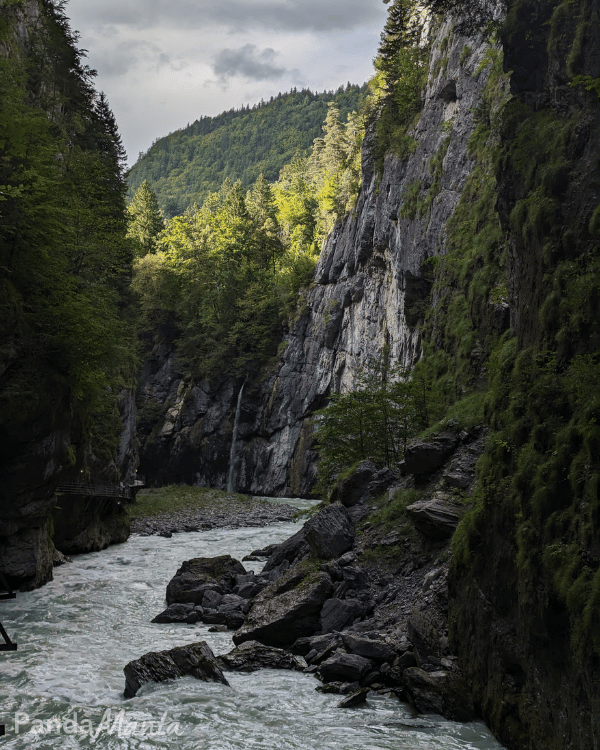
[{"x": 145, "y": 220}]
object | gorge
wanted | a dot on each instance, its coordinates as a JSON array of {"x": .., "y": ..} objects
[{"x": 471, "y": 255}]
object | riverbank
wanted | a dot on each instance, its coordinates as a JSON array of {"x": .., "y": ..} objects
[{"x": 178, "y": 508}]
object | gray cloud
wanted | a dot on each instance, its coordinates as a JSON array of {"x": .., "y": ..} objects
[
  {"x": 237, "y": 15},
  {"x": 247, "y": 61}
]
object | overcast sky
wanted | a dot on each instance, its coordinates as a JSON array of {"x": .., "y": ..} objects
[{"x": 164, "y": 63}]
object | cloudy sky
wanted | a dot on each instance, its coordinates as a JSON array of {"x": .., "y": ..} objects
[{"x": 164, "y": 63}]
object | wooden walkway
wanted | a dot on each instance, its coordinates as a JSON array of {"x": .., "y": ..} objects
[{"x": 127, "y": 491}]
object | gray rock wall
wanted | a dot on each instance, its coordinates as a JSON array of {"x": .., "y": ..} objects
[{"x": 368, "y": 285}]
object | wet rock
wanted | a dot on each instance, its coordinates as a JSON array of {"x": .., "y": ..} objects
[
  {"x": 355, "y": 699},
  {"x": 425, "y": 458},
  {"x": 212, "y": 617},
  {"x": 338, "y": 688},
  {"x": 211, "y": 599},
  {"x": 354, "y": 489},
  {"x": 196, "y": 660},
  {"x": 178, "y": 613},
  {"x": 59, "y": 559},
  {"x": 201, "y": 574},
  {"x": 252, "y": 656},
  {"x": 377, "y": 650},
  {"x": 234, "y": 620},
  {"x": 439, "y": 692},
  {"x": 265, "y": 551},
  {"x": 287, "y": 609},
  {"x": 345, "y": 667},
  {"x": 435, "y": 518},
  {"x": 330, "y": 532}
]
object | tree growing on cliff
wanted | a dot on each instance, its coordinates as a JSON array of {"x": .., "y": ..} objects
[{"x": 374, "y": 421}]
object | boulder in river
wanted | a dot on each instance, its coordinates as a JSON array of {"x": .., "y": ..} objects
[
  {"x": 440, "y": 692},
  {"x": 356, "y": 698},
  {"x": 252, "y": 655},
  {"x": 287, "y": 609},
  {"x": 370, "y": 648},
  {"x": 179, "y": 613},
  {"x": 346, "y": 667},
  {"x": 196, "y": 660},
  {"x": 202, "y": 574}
]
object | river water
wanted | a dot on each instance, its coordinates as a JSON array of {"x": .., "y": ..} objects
[{"x": 63, "y": 688}]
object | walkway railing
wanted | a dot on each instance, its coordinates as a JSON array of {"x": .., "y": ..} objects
[{"x": 100, "y": 490}]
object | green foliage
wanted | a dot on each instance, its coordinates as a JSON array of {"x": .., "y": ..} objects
[
  {"x": 374, "y": 421},
  {"x": 173, "y": 498},
  {"x": 395, "y": 509},
  {"x": 186, "y": 166},
  {"x": 145, "y": 220},
  {"x": 64, "y": 257},
  {"x": 229, "y": 272},
  {"x": 401, "y": 73},
  {"x": 588, "y": 83}
]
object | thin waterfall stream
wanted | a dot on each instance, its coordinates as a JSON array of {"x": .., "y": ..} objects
[
  {"x": 236, "y": 424},
  {"x": 63, "y": 688}
]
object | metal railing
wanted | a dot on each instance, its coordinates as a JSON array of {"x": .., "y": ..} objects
[{"x": 93, "y": 490}]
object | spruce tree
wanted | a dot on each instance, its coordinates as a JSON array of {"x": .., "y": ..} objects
[{"x": 145, "y": 220}]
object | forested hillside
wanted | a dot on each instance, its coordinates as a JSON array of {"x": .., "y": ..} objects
[
  {"x": 227, "y": 275},
  {"x": 185, "y": 166}
]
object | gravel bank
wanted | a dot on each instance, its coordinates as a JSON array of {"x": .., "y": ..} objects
[{"x": 221, "y": 513}]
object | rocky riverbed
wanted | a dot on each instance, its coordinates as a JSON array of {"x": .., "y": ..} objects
[{"x": 360, "y": 591}]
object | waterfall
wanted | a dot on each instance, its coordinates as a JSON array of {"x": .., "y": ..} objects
[{"x": 236, "y": 423}]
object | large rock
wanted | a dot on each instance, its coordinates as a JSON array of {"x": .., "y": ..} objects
[
  {"x": 286, "y": 610},
  {"x": 179, "y": 613},
  {"x": 425, "y": 458},
  {"x": 443, "y": 693},
  {"x": 376, "y": 650},
  {"x": 345, "y": 667},
  {"x": 354, "y": 489},
  {"x": 293, "y": 549},
  {"x": 252, "y": 656},
  {"x": 196, "y": 660},
  {"x": 202, "y": 574},
  {"x": 337, "y": 613},
  {"x": 435, "y": 518},
  {"x": 330, "y": 532}
]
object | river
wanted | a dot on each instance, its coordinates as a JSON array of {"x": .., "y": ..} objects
[{"x": 63, "y": 688}]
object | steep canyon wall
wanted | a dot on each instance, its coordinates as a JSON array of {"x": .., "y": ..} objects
[{"x": 369, "y": 290}]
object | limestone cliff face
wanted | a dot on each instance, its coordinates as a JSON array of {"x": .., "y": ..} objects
[{"x": 369, "y": 289}]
